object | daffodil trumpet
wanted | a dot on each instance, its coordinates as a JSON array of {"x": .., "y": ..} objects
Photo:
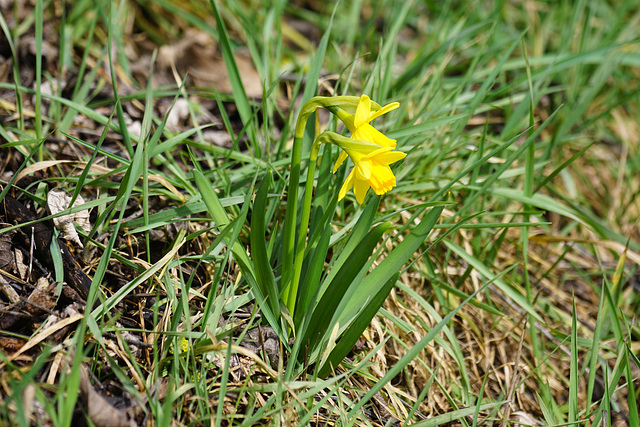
[{"x": 371, "y": 164}]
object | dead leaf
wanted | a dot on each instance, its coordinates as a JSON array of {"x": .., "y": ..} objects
[
  {"x": 59, "y": 201},
  {"x": 100, "y": 411},
  {"x": 196, "y": 55},
  {"x": 6, "y": 255},
  {"x": 524, "y": 419},
  {"x": 28, "y": 46},
  {"x": 44, "y": 334},
  {"x": 5, "y": 68},
  {"x": 8, "y": 290},
  {"x": 11, "y": 344},
  {"x": 177, "y": 115},
  {"x": 42, "y": 299},
  {"x": 263, "y": 339}
]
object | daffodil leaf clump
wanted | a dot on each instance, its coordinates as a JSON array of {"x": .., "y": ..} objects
[{"x": 325, "y": 310}]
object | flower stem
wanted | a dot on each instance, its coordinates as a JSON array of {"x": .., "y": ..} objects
[
  {"x": 290, "y": 222},
  {"x": 302, "y": 237}
]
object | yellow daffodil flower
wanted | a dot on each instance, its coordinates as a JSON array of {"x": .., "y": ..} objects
[
  {"x": 360, "y": 128},
  {"x": 371, "y": 162},
  {"x": 371, "y": 170}
]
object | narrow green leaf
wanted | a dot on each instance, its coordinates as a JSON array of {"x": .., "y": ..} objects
[
  {"x": 262, "y": 267},
  {"x": 239, "y": 95},
  {"x": 314, "y": 268},
  {"x": 16, "y": 71},
  {"x": 56, "y": 257},
  {"x": 547, "y": 203},
  {"x": 452, "y": 416},
  {"x": 321, "y": 320},
  {"x": 387, "y": 268},
  {"x": 121, "y": 293},
  {"x": 178, "y": 213},
  {"x": 315, "y": 68},
  {"x": 175, "y": 140},
  {"x": 460, "y": 294},
  {"x": 631, "y": 391},
  {"x": 573, "y": 369},
  {"x": 361, "y": 228},
  {"x": 38, "y": 107},
  {"x": 124, "y": 131},
  {"x": 547, "y": 413},
  {"x": 595, "y": 346},
  {"x": 422, "y": 127},
  {"x": 357, "y": 327},
  {"x": 211, "y": 199},
  {"x": 562, "y": 167},
  {"x": 411, "y": 354}
]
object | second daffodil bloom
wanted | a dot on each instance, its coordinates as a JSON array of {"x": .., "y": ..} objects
[
  {"x": 360, "y": 128},
  {"x": 371, "y": 169}
]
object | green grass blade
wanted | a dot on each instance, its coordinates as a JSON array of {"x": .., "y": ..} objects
[
  {"x": 451, "y": 417},
  {"x": 412, "y": 354},
  {"x": 315, "y": 260},
  {"x": 219, "y": 215},
  {"x": 16, "y": 71},
  {"x": 39, "y": 15},
  {"x": 595, "y": 346},
  {"x": 631, "y": 391},
  {"x": 315, "y": 68},
  {"x": 360, "y": 230},
  {"x": 573, "y": 374},
  {"x": 240, "y": 96},
  {"x": 357, "y": 327},
  {"x": 124, "y": 131},
  {"x": 508, "y": 290}
]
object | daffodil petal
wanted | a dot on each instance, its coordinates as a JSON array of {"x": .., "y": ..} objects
[
  {"x": 370, "y": 150},
  {"x": 390, "y": 157},
  {"x": 341, "y": 158},
  {"x": 363, "y": 133},
  {"x": 362, "y": 111},
  {"x": 377, "y": 152},
  {"x": 360, "y": 189},
  {"x": 382, "y": 179},
  {"x": 378, "y": 137},
  {"x": 384, "y": 110},
  {"x": 346, "y": 186}
]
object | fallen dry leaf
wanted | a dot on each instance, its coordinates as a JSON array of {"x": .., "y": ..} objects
[
  {"x": 8, "y": 291},
  {"x": 195, "y": 54},
  {"x": 59, "y": 201},
  {"x": 177, "y": 115},
  {"x": 6, "y": 256},
  {"x": 100, "y": 411}
]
